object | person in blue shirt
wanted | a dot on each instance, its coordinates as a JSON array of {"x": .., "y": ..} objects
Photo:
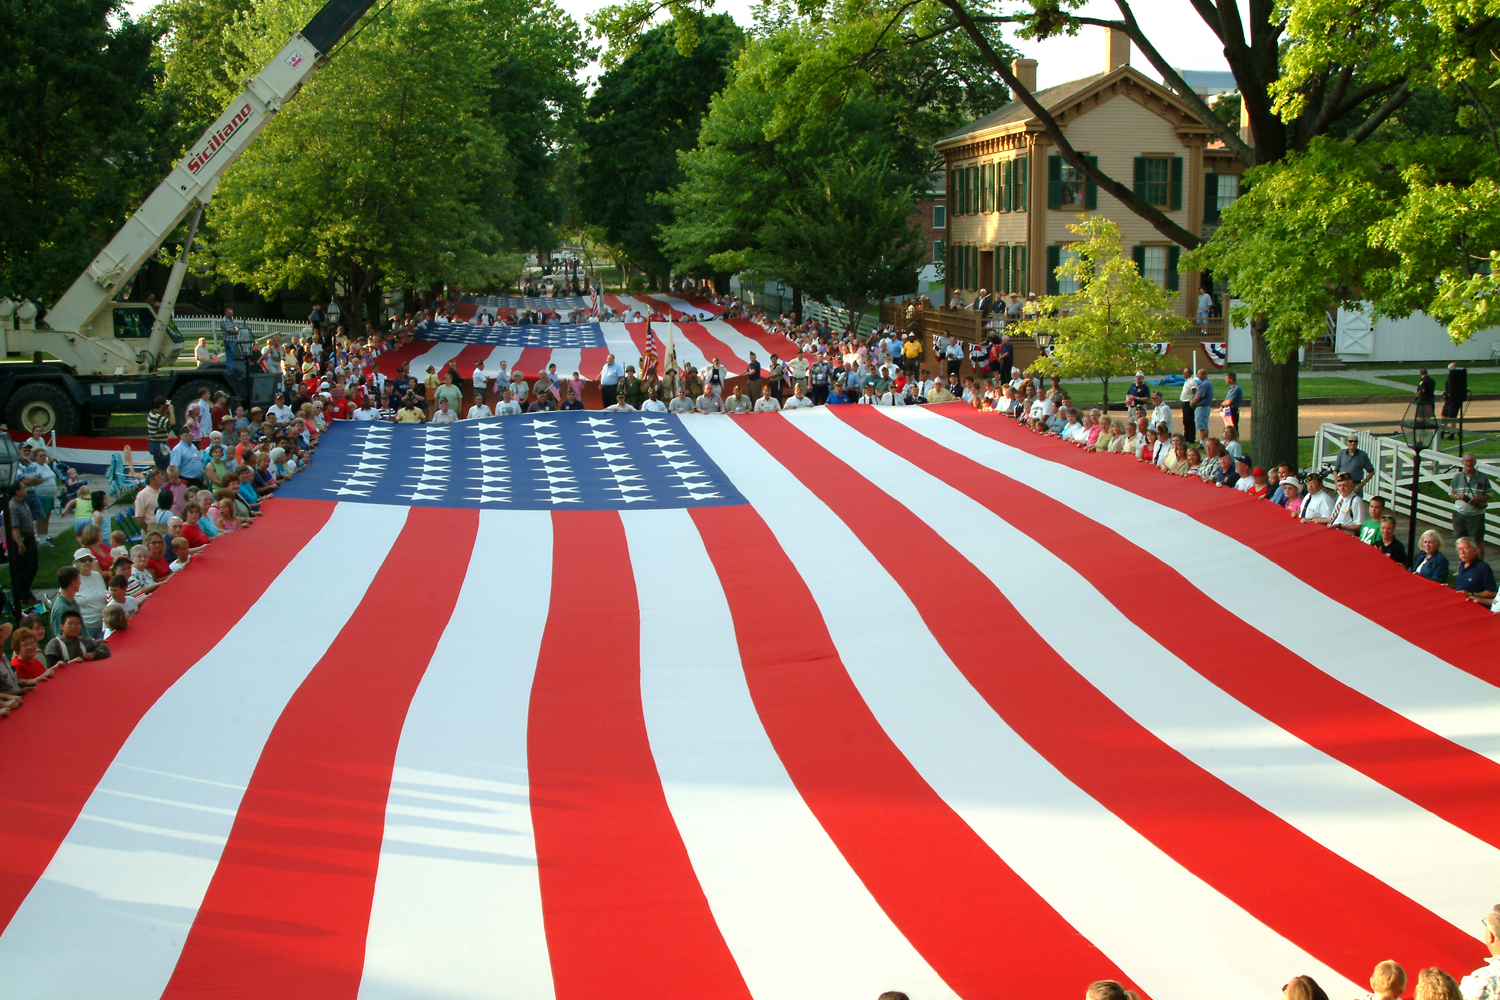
[
  {"x": 187, "y": 457},
  {"x": 1203, "y": 401},
  {"x": 837, "y": 397},
  {"x": 1233, "y": 397},
  {"x": 1475, "y": 579}
]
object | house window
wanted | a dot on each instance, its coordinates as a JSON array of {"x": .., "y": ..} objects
[
  {"x": 1066, "y": 284},
  {"x": 1154, "y": 179},
  {"x": 1229, "y": 190},
  {"x": 1070, "y": 192},
  {"x": 939, "y": 252},
  {"x": 1154, "y": 265},
  {"x": 939, "y": 217}
]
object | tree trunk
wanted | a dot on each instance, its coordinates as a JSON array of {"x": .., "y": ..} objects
[
  {"x": 1275, "y": 402},
  {"x": 1106, "y": 396}
]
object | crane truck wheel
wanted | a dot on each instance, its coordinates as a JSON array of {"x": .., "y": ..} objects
[
  {"x": 187, "y": 392},
  {"x": 41, "y": 405}
]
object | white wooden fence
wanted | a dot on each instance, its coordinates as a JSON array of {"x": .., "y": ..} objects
[{"x": 1392, "y": 459}]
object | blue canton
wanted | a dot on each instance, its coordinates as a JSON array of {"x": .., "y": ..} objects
[
  {"x": 555, "y": 337},
  {"x": 541, "y": 461}
]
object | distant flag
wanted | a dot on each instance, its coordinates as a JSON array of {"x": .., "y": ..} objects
[
  {"x": 650, "y": 354},
  {"x": 594, "y": 295}
]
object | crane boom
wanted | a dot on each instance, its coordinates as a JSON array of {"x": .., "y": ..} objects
[{"x": 191, "y": 184}]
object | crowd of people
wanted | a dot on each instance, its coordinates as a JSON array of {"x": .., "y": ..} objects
[
  {"x": 205, "y": 485},
  {"x": 1388, "y": 981}
]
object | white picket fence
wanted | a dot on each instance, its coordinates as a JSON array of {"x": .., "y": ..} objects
[{"x": 1393, "y": 459}]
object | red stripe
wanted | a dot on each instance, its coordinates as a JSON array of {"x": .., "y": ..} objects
[
  {"x": 702, "y": 303},
  {"x": 1457, "y": 784},
  {"x": 615, "y": 303},
  {"x": 969, "y": 915},
  {"x": 625, "y": 915},
  {"x": 591, "y": 361},
  {"x": 288, "y": 909},
  {"x": 711, "y": 346},
  {"x": 1224, "y": 838},
  {"x": 72, "y": 727},
  {"x": 88, "y": 443},
  {"x": 465, "y": 311},
  {"x": 774, "y": 343},
  {"x": 1427, "y": 615},
  {"x": 388, "y": 363},
  {"x": 533, "y": 362}
]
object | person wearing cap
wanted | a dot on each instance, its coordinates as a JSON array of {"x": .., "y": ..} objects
[
  {"x": 279, "y": 411},
  {"x": 1139, "y": 392},
  {"x": 410, "y": 412},
  {"x": 1245, "y": 469},
  {"x": 479, "y": 409},
  {"x": 444, "y": 414},
  {"x": 91, "y": 592},
  {"x": 629, "y": 388},
  {"x": 1348, "y": 506},
  {"x": 1161, "y": 412}
]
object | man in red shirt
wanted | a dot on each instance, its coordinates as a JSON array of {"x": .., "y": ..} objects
[
  {"x": 219, "y": 411},
  {"x": 339, "y": 408}
]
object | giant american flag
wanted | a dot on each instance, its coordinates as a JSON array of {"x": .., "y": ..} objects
[{"x": 805, "y": 705}]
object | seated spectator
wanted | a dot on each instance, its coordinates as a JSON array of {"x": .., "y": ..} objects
[
  {"x": 1433, "y": 564},
  {"x": 545, "y": 402},
  {"x": 1484, "y": 982},
  {"x": 1348, "y": 507},
  {"x": 1387, "y": 982},
  {"x": 1175, "y": 460},
  {"x": 119, "y": 593},
  {"x": 1260, "y": 484},
  {"x": 90, "y": 539},
  {"x": 115, "y": 620},
  {"x": 680, "y": 402},
  {"x": 68, "y": 582},
  {"x": 479, "y": 409},
  {"x": 1244, "y": 472},
  {"x": 738, "y": 402},
  {"x": 1209, "y": 470},
  {"x": 1231, "y": 441},
  {"x": 708, "y": 402},
  {"x": 1291, "y": 497},
  {"x": 166, "y": 498},
  {"x": 142, "y": 580},
  {"x": 181, "y": 553},
  {"x": 1475, "y": 578},
  {"x": 30, "y": 669},
  {"x": 158, "y": 555},
  {"x": 767, "y": 403},
  {"x": 798, "y": 399},
  {"x": 1435, "y": 984},
  {"x": 1108, "y": 989},
  {"x": 1303, "y": 988},
  {"x": 92, "y": 593},
  {"x": 1119, "y": 438},
  {"x": 70, "y": 645},
  {"x": 1317, "y": 505},
  {"x": 1226, "y": 476},
  {"x": 653, "y": 404},
  {"x": 1369, "y": 531}
]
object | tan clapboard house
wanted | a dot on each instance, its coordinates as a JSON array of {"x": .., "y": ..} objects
[{"x": 1011, "y": 196}]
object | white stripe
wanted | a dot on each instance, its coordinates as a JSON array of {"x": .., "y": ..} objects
[
  {"x": 1443, "y": 868},
  {"x": 1403, "y": 677},
  {"x": 568, "y": 360},
  {"x": 110, "y": 914},
  {"x": 619, "y": 342},
  {"x": 510, "y": 355},
  {"x": 1182, "y": 939},
  {"x": 684, "y": 306},
  {"x": 798, "y": 921},
  {"x": 436, "y": 356},
  {"x": 737, "y": 342},
  {"x": 457, "y": 911}
]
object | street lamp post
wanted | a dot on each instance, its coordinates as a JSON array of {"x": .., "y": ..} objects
[
  {"x": 1418, "y": 428},
  {"x": 10, "y": 457}
]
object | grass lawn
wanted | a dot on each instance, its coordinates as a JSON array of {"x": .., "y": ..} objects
[
  {"x": 1478, "y": 382},
  {"x": 49, "y": 561},
  {"x": 1090, "y": 392}
]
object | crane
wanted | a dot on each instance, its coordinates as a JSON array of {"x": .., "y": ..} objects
[{"x": 112, "y": 356}]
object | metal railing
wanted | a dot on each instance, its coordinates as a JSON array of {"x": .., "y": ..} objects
[
  {"x": 1392, "y": 459},
  {"x": 193, "y": 327}
]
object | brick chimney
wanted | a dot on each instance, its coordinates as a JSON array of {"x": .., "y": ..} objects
[
  {"x": 1025, "y": 70},
  {"x": 1116, "y": 49}
]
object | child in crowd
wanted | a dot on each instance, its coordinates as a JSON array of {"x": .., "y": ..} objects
[
  {"x": 119, "y": 593},
  {"x": 115, "y": 619},
  {"x": 182, "y": 549}
]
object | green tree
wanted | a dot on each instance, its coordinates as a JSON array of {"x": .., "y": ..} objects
[
  {"x": 85, "y": 134},
  {"x": 382, "y": 172},
  {"x": 645, "y": 111},
  {"x": 847, "y": 237},
  {"x": 1104, "y": 328}
]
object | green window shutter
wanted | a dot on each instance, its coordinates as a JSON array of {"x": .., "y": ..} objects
[
  {"x": 1210, "y": 198},
  {"x": 1054, "y": 258},
  {"x": 1139, "y": 253},
  {"x": 987, "y": 184},
  {"x": 995, "y": 186},
  {"x": 1054, "y": 182},
  {"x": 1023, "y": 280},
  {"x": 1009, "y": 184},
  {"x": 1090, "y": 189},
  {"x": 974, "y": 190},
  {"x": 1139, "y": 187},
  {"x": 1023, "y": 184},
  {"x": 1172, "y": 253},
  {"x": 1175, "y": 197},
  {"x": 961, "y": 175}
]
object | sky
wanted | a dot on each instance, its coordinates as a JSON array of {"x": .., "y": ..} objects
[{"x": 1175, "y": 28}]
